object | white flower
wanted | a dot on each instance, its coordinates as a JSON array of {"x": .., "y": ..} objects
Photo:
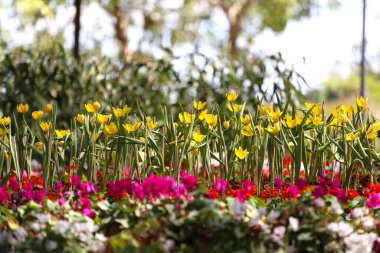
[
  {"x": 319, "y": 202},
  {"x": 239, "y": 209},
  {"x": 336, "y": 208},
  {"x": 273, "y": 215},
  {"x": 368, "y": 223},
  {"x": 51, "y": 245},
  {"x": 342, "y": 228},
  {"x": 293, "y": 224},
  {"x": 278, "y": 234},
  {"x": 358, "y": 212},
  {"x": 360, "y": 243},
  {"x": 61, "y": 227}
]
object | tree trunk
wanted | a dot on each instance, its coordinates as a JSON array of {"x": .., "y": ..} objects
[
  {"x": 121, "y": 27},
  {"x": 76, "y": 50}
]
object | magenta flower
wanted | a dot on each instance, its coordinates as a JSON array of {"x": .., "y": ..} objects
[
  {"x": 373, "y": 200},
  {"x": 319, "y": 191},
  {"x": 221, "y": 185},
  {"x": 75, "y": 180},
  {"x": 293, "y": 191},
  {"x": 278, "y": 183},
  {"x": 39, "y": 195},
  {"x": 4, "y": 195},
  {"x": 58, "y": 186},
  {"x": 301, "y": 184},
  {"x": 188, "y": 180}
]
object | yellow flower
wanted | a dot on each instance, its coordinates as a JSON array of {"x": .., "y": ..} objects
[
  {"x": 231, "y": 96},
  {"x": 121, "y": 112},
  {"x": 289, "y": 122},
  {"x": 39, "y": 146},
  {"x": 226, "y": 124},
  {"x": 246, "y": 119},
  {"x": 352, "y": 136},
  {"x": 211, "y": 119},
  {"x": 90, "y": 108},
  {"x": 48, "y": 108},
  {"x": 317, "y": 110},
  {"x": 247, "y": 131},
  {"x": 186, "y": 117},
  {"x": 103, "y": 118},
  {"x": 371, "y": 135},
  {"x": 96, "y": 105},
  {"x": 348, "y": 110},
  {"x": 142, "y": 139},
  {"x": 110, "y": 130},
  {"x": 274, "y": 129},
  {"x": 45, "y": 126},
  {"x": 6, "y": 154},
  {"x": 37, "y": 115},
  {"x": 198, "y": 137},
  {"x": 3, "y": 132},
  {"x": 202, "y": 115},
  {"x": 132, "y": 127},
  {"x": 5, "y": 121},
  {"x": 151, "y": 123},
  {"x": 97, "y": 135},
  {"x": 80, "y": 118},
  {"x": 273, "y": 115},
  {"x": 240, "y": 153},
  {"x": 236, "y": 108},
  {"x": 198, "y": 105},
  {"x": 22, "y": 108},
  {"x": 61, "y": 133},
  {"x": 361, "y": 102},
  {"x": 317, "y": 120}
]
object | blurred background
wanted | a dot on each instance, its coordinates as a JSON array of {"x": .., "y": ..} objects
[{"x": 170, "y": 52}]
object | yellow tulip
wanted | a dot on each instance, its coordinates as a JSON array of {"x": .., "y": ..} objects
[
  {"x": 22, "y": 108},
  {"x": 80, "y": 118},
  {"x": 96, "y": 105},
  {"x": 273, "y": 115},
  {"x": 361, "y": 102},
  {"x": 48, "y": 108},
  {"x": 90, "y": 108},
  {"x": 211, "y": 119},
  {"x": 37, "y": 115},
  {"x": 226, "y": 124},
  {"x": 202, "y": 115},
  {"x": 61, "y": 133},
  {"x": 132, "y": 127},
  {"x": 5, "y": 121},
  {"x": 198, "y": 137},
  {"x": 3, "y": 132},
  {"x": 352, "y": 136},
  {"x": 246, "y": 119},
  {"x": 247, "y": 131},
  {"x": 110, "y": 130},
  {"x": 39, "y": 146},
  {"x": 186, "y": 117},
  {"x": 231, "y": 96},
  {"x": 317, "y": 120},
  {"x": 121, "y": 112},
  {"x": 240, "y": 153},
  {"x": 103, "y": 118},
  {"x": 151, "y": 123},
  {"x": 274, "y": 129},
  {"x": 45, "y": 126},
  {"x": 198, "y": 105},
  {"x": 236, "y": 107}
]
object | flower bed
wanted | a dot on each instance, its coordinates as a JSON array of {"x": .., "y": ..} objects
[{"x": 234, "y": 177}]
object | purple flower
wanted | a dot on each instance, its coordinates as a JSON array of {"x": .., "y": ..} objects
[
  {"x": 248, "y": 186},
  {"x": 301, "y": 184},
  {"x": 341, "y": 194},
  {"x": 278, "y": 183},
  {"x": 373, "y": 200},
  {"x": 221, "y": 185},
  {"x": 319, "y": 191},
  {"x": 88, "y": 212},
  {"x": 61, "y": 201},
  {"x": 335, "y": 184},
  {"x": 242, "y": 196}
]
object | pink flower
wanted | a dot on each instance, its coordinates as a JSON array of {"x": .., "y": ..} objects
[
  {"x": 373, "y": 200},
  {"x": 278, "y": 183},
  {"x": 221, "y": 185},
  {"x": 4, "y": 195}
]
